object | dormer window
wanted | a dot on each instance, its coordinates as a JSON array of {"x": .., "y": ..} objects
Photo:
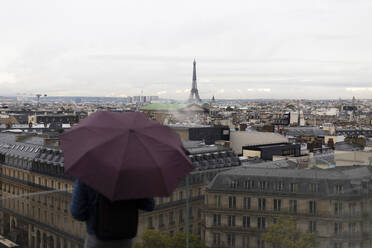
[
  {"x": 249, "y": 184},
  {"x": 314, "y": 187},
  {"x": 234, "y": 184},
  {"x": 339, "y": 188},
  {"x": 262, "y": 185}
]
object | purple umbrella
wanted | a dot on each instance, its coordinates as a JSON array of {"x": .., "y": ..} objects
[{"x": 125, "y": 155}]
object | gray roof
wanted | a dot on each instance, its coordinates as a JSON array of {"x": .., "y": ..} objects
[
  {"x": 271, "y": 164},
  {"x": 29, "y": 150},
  {"x": 195, "y": 147},
  {"x": 305, "y": 131},
  {"x": 345, "y": 146},
  {"x": 360, "y": 172},
  {"x": 351, "y": 179}
]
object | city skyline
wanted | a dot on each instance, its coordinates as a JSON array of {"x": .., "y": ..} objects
[{"x": 244, "y": 50}]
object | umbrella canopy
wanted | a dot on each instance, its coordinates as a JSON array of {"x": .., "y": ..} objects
[{"x": 125, "y": 155}]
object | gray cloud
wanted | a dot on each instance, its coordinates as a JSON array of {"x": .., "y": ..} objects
[{"x": 317, "y": 49}]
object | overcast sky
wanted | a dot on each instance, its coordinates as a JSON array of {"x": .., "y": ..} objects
[{"x": 244, "y": 49}]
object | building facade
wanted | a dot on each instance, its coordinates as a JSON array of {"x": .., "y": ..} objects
[
  {"x": 36, "y": 195},
  {"x": 335, "y": 204}
]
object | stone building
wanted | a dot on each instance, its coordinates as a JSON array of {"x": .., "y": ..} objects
[
  {"x": 36, "y": 194},
  {"x": 335, "y": 204},
  {"x": 170, "y": 213}
]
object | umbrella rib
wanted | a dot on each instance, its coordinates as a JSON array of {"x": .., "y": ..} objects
[
  {"x": 100, "y": 144},
  {"x": 124, "y": 158},
  {"x": 163, "y": 143},
  {"x": 152, "y": 157}
]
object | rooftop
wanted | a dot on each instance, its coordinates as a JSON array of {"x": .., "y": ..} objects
[
  {"x": 242, "y": 138},
  {"x": 164, "y": 106},
  {"x": 354, "y": 181},
  {"x": 305, "y": 131}
]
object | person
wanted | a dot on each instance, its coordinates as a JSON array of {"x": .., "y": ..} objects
[{"x": 83, "y": 208}]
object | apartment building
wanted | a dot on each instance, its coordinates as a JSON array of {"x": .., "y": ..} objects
[
  {"x": 335, "y": 204},
  {"x": 36, "y": 194}
]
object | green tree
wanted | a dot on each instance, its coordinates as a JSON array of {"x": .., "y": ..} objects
[
  {"x": 284, "y": 234},
  {"x": 155, "y": 239},
  {"x": 229, "y": 108},
  {"x": 290, "y": 106},
  {"x": 179, "y": 241}
]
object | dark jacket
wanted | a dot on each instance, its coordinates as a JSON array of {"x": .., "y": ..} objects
[{"x": 82, "y": 204}]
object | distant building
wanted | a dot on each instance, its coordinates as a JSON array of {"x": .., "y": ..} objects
[
  {"x": 50, "y": 118},
  {"x": 174, "y": 112},
  {"x": 334, "y": 204},
  {"x": 208, "y": 134},
  {"x": 29, "y": 165},
  {"x": 8, "y": 120},
  {"x": 266, "y": 152},
  {"x": 240, "y": 139},
  {"x": 142, "y": 99}
]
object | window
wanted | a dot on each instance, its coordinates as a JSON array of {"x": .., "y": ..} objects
[
  {"x": 352, "y": 227},
  {"x": 180, "y": 195},
  {"x": 249, "y": 184},
  {"x": 231, "y": 220},
  {"x": 216, "y": 239},
  {"x": 262, "y": 185},
  {"x": 218, "y": 201},
  {"x": 312, "y": 207},
  {"x": 171, "y": 218},
  {"x": 260, "y": 243},
  {"x": 261, "y": 203},
  {"x": 279, "y": 186},
  {"x": 245, "y": 241},
  {"x": 351, "y": 245},
  {"x": 52, "y": 218},
  {"x": 199, "y": 212},
  {"x": 149, "y": 223},
  {"x": 337, "y": 208},
  {"x": 161, "y": 220},
  {"x": 352, "y": 209},
  {"x": 293, "y": 187},
  {"x": 180, "y": 216},
  {"x": 171, "y": 197},
  {"x": 232, "y": 202},
  {"x": 246, "y": 221},
  {"x": 277, "y": 204},
  {"x": 314, "y": 187},
  {"x": 293, "y": 206},
  {"x": 216, "y": 219},
  {"x": 231, "y": 240},
  {"x": 337, "y": 245},
  {"x": 261, "y": 223},
  {"x": 312, "y": 226},
  {"x": 339, "y": 188},
  {"x": 338, "y": 228},
  {"x": 246, "y": 202},
  {"x": 234, "y": 184}
]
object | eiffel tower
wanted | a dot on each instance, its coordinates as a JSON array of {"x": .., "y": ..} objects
[{"x": 194, "y": 93}]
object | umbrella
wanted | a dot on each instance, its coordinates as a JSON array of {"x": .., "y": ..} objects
[{"x": 125, "y": 155}]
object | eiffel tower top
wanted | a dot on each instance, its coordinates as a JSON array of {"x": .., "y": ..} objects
[{"x": 194, "y": 93}]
